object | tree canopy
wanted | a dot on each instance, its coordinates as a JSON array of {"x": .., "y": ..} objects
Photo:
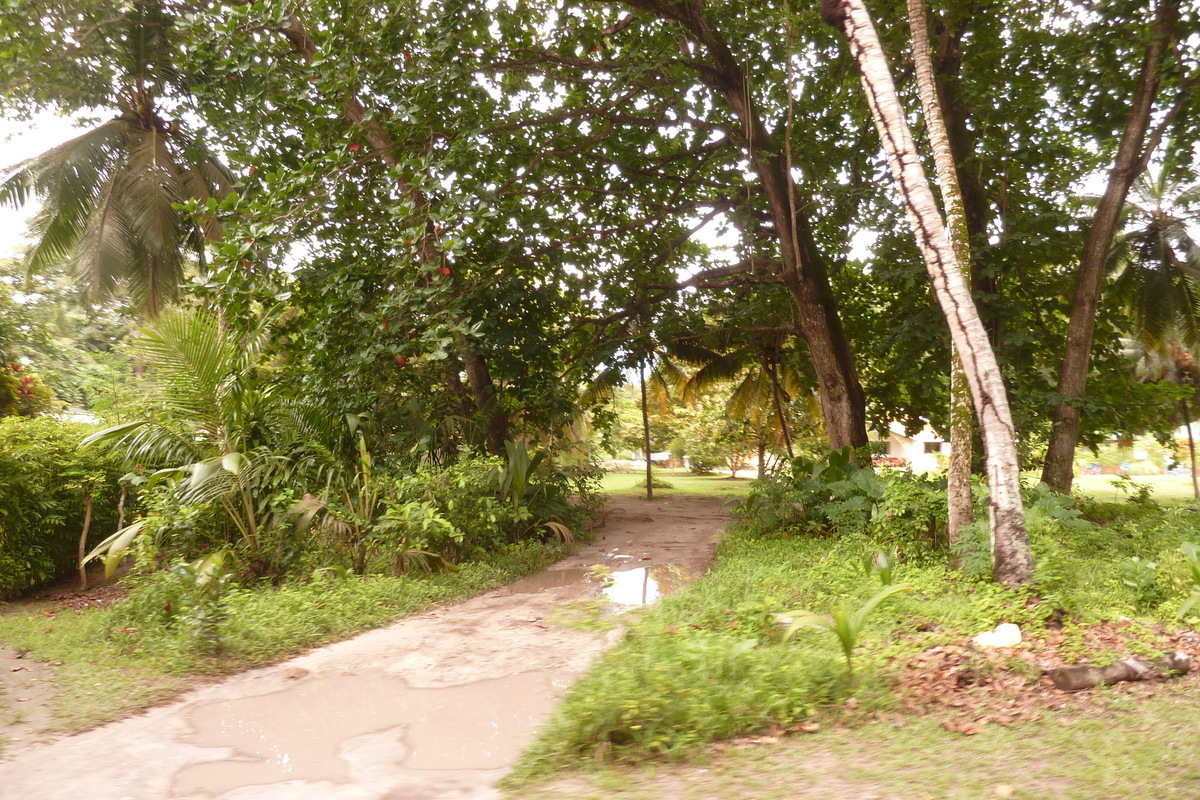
[{"x": 468, "y": 214}]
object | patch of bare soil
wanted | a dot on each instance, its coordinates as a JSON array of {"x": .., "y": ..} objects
[
  {"x": 27, "y": 685},
  {"x": 969, "y": 687}
]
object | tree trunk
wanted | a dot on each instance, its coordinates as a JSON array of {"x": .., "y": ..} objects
[
  {"x": 804, "y": 273},
  {"x": 762, "y": 458},
  {"x": 1076, "y": 679},
  {"x": 486, "y": 401},
  {"x": 1058, "y": 470},
  {"x": 958, "y": 485},
  {"x": 1187, "y": 420},
  {"x": 1011, "y": 557},
  {"x": 960, "y": 507},
  {"x": 83, "y": 537},
  {"x": 646, "y": 432},
  {"x": 121, "y": 506}
]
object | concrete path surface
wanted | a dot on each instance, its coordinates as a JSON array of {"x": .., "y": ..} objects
[{"x": 434, "y": 707}]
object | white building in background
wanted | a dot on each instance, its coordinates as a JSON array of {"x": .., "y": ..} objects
[{"x": 921, "y": 452}]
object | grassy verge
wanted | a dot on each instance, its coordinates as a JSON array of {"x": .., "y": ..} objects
[
  {"x": 107, "y": 667},
  {"x": 1115, "y": 751},
  {"x": 682, "y": 482},
  {"x": 708, "y": 664}
]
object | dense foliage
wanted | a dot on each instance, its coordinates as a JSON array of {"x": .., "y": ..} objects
[
  {"x": 44, "y": 479},
  {"x": 406, "y": 236}
]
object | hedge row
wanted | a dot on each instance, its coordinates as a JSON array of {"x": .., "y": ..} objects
[{"x": 43, "y": 480}]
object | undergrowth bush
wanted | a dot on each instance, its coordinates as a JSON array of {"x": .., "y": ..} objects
[{"x": 44, "y": 477}]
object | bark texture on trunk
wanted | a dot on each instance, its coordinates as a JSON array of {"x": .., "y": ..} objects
[
  {"x": 960, "y": 510},
  {"x": 803, "y": 269},
  {"x": 646, "y": 432},
  {"x": 1011, "y": 557},
  {"x": 1058, "y": 472}
]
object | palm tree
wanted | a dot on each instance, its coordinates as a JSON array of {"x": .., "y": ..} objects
[
  {"x": 1012, "y": 558},
  {"x": 228, "y": 432},
  {"x": 1157, "y": 261},
  {"x": 109, "y": 196},
  {"x": 765, "y": 377},
  {"x": 1169, "y": 361}
]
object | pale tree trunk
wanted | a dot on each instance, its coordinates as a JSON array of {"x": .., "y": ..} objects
[
  {"x": 83, "y": 537},
  {"x": 958, "y": 502},
  {"x": 646, "y": 432},
  {"x": 1058, "y": 472},
  {"x": 1012, "y": 560}
]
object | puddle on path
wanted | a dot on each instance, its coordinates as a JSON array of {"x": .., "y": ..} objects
[
  {"x": 630, "y": 587},
  {"x": 296, "y": 734},
  {"x": 550, "y": 579},
  {"x": 638, "y": 587}
]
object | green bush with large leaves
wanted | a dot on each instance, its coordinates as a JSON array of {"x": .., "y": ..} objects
[
  {"x": 44, "y": 479},
  {"x": 226, "y": 433}
]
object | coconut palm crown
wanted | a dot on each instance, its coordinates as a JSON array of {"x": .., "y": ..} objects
[{"x": 109, "y": 196}]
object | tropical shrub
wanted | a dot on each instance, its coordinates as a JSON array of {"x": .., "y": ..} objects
[
  {"x": 44, "y": 479},
  {"x": 825, "y": 496}
]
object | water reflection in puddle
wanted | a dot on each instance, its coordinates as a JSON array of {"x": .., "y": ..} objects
[
  {"x": 299, "y": 733},
  {"x": 637, "y": 587},
  {"x": 630, "y": 587}
]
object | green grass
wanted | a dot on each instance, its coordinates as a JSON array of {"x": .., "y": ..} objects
[
  {"x": 707, "y": 663},
  {"x": 682, "y": 481},
  {"x": 108, "y": 665},
  {"x": 1167, "y": 489},
  {"x": 1119, "y": 750}
]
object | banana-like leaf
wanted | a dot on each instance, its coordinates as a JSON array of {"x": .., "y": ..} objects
[{"x": 114, "y": 547}]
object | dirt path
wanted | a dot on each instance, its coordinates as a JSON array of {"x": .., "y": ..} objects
[{"x": 434, "y": 707}]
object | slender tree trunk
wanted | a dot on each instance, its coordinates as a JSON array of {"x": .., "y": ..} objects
[
  {"x": 646, "y": 432},
  {"x": 1187, "y": 420},
  {"x": 1011, "y": 557},
  {"x": 1058, "y": 472},
  {"x": 121, "y": 506},
  {"x": 83, "y": 537},
  {"x": 762, "y": 458},
  {"x": 777, "y": 391},
  {"x": 959, "y": 506}
]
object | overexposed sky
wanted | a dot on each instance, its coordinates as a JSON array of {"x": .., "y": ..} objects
[{"x": 19, "y": 141}]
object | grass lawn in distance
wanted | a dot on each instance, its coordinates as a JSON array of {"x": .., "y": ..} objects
[
  {"x": 1168, "y": 490},
  {"x": 719, "y": 484}
]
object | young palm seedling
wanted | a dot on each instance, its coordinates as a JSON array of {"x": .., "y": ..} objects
[{"x": 846, "y": 625}]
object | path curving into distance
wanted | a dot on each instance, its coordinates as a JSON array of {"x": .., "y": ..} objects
[{"x": 433, "y": 707}]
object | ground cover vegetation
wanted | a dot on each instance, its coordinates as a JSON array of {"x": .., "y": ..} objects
[
  {"x": 825, "y": 573},
  {"x": 354, "y": 289}
]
